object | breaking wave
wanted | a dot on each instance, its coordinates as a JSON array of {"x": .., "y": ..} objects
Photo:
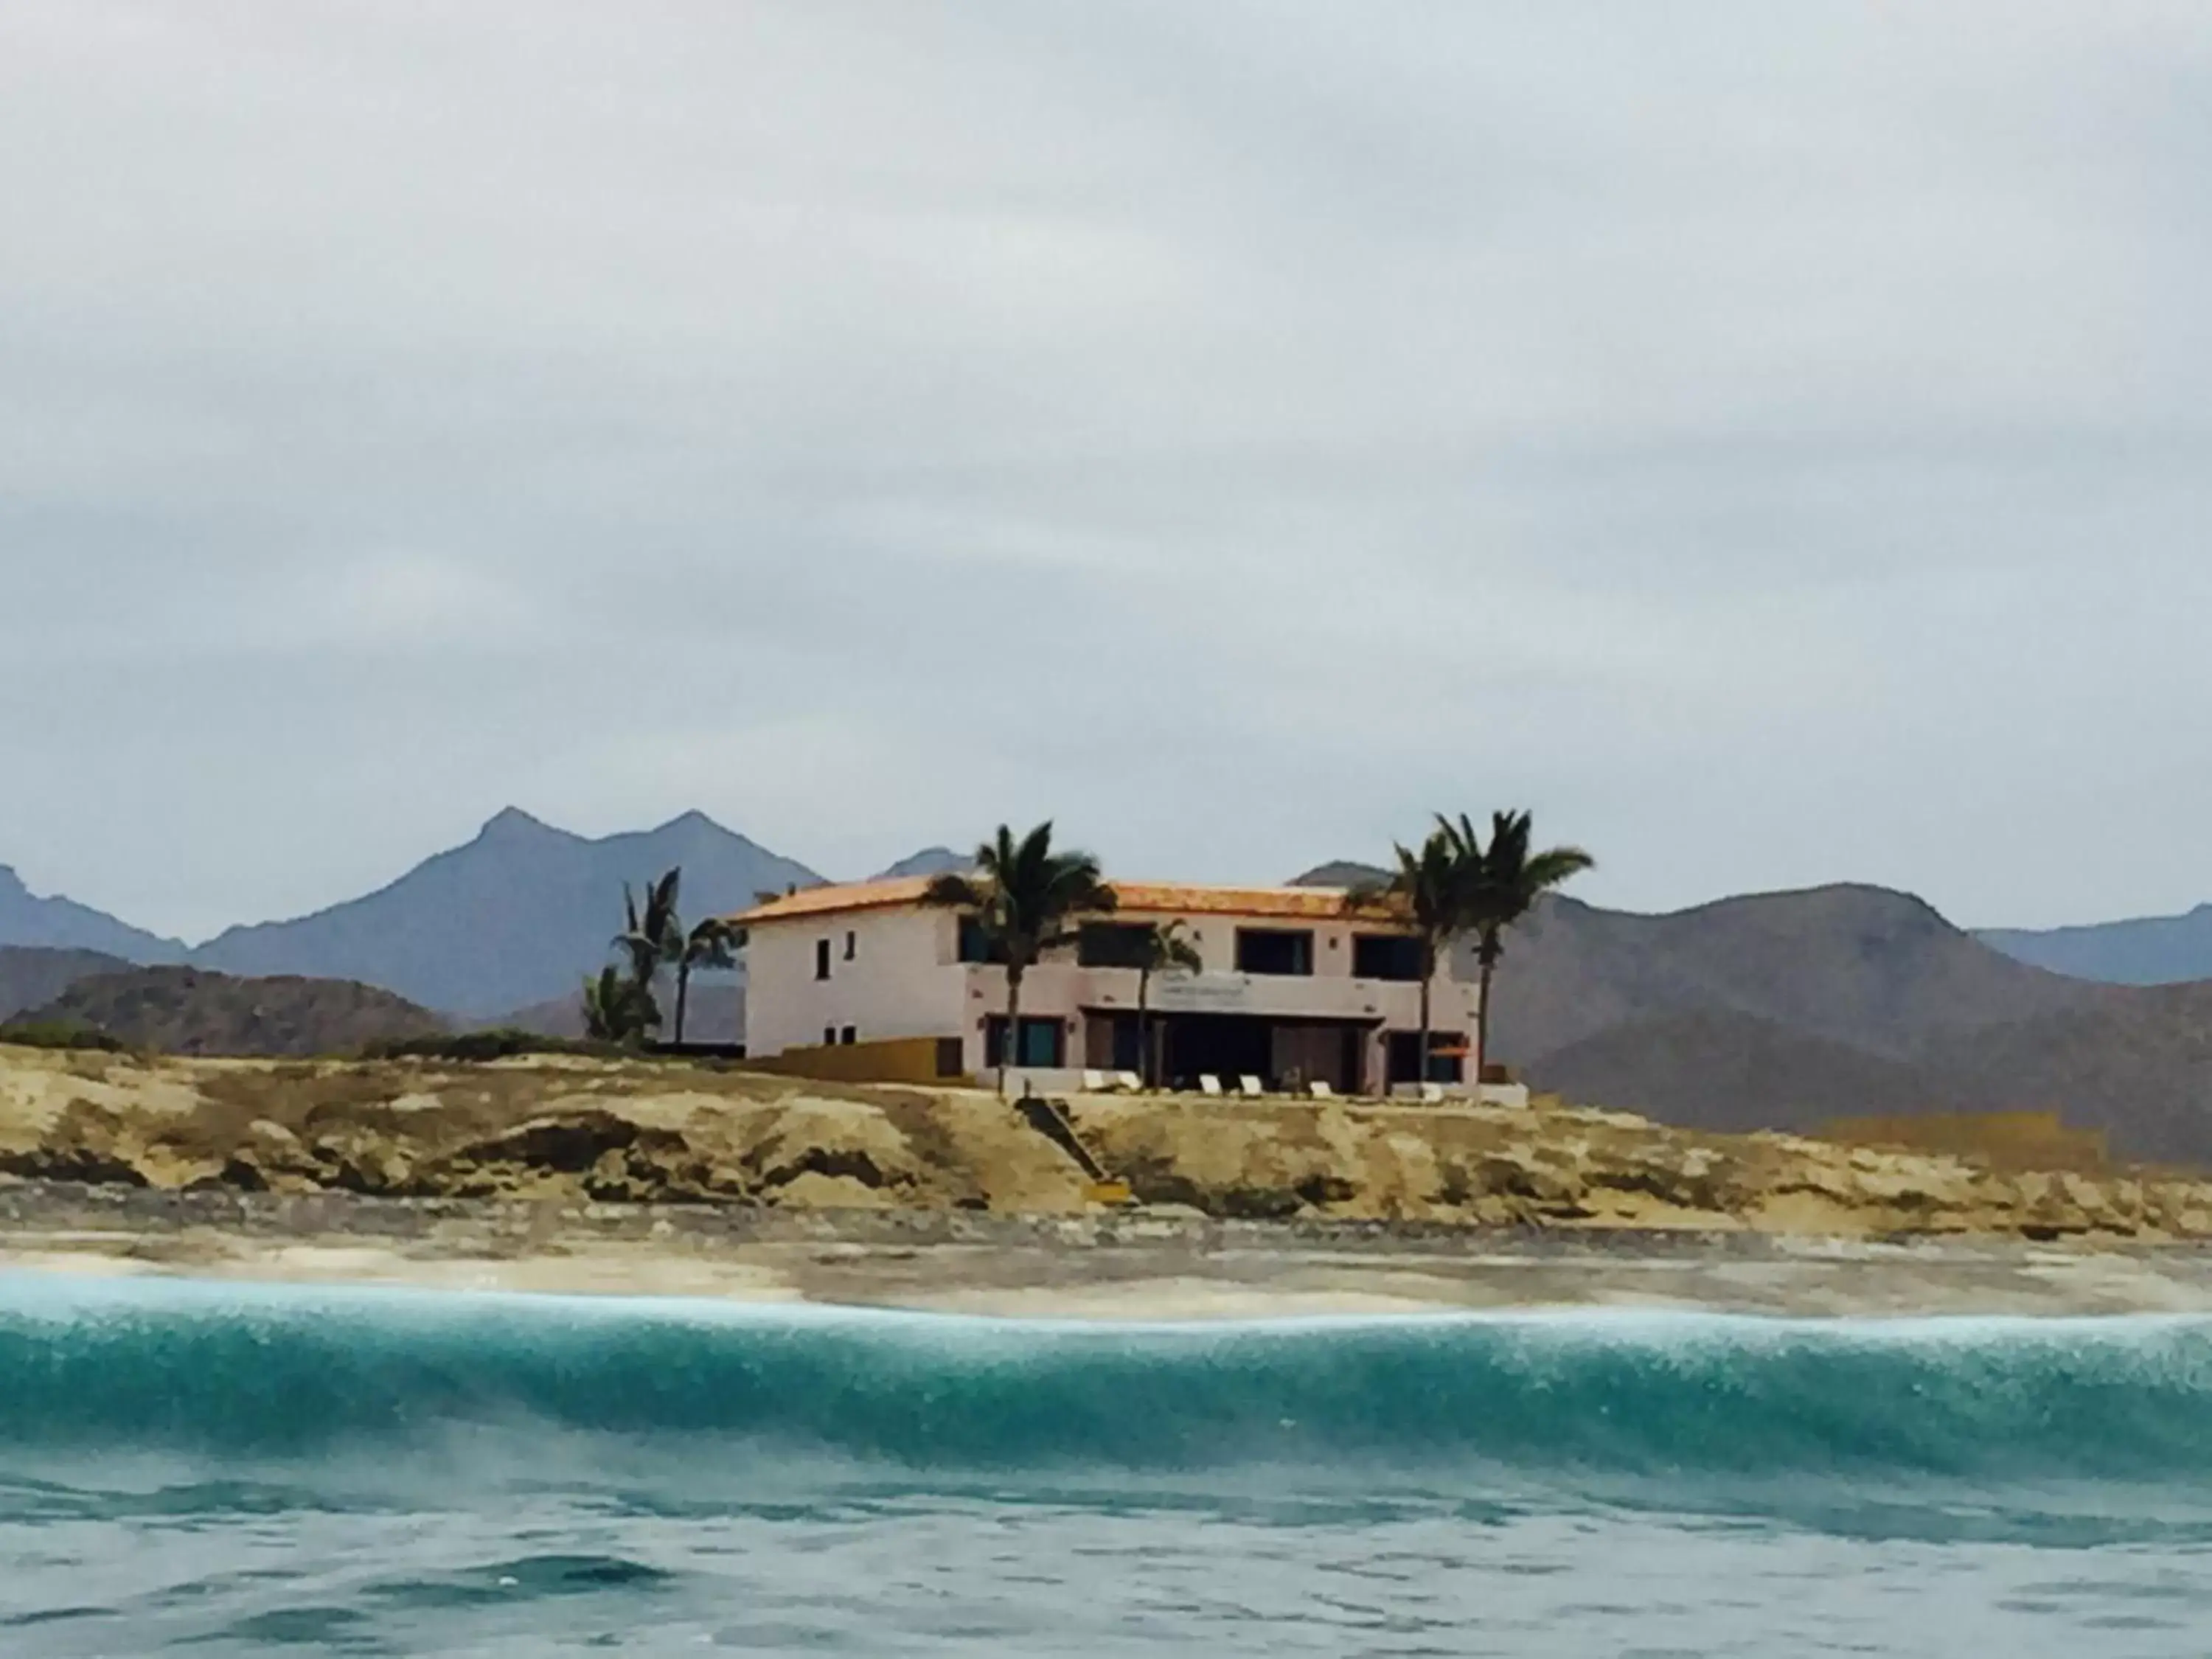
[{"x": 276, "y": 1370}]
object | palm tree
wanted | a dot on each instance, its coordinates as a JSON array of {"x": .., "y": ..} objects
[
  {"x": 1502, "y": 881},
  {"x": 650, "y": 938},
  {"x": 1163, "y": 950},
  {"x": 713, "y": 943},
  {"x": 1023, "y": 895},
  {"x": 1430, "y": 890},
  {"x": 612, "y": 1012}
]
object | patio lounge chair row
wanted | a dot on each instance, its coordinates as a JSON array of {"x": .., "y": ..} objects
[{"x": 1248, "y": 1086}]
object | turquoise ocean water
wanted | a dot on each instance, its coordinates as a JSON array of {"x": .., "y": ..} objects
[{"x": 217, "y": 1469}]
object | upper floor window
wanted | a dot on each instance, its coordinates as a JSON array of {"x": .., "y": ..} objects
[
  {"x": 851, "y": 943},
  {"x": 821, "y": 958},
  {"x": 1274, "y": 950},
  {"x": 1385, "y": 956},
  {"x": 1113, "y": 944},
  {"x": 975, "y": 945}
]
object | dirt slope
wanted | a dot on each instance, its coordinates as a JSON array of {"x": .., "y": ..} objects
[{"x": 575, "y": 1130}]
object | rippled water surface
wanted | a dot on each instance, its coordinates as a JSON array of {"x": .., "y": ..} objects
[{"x": 217, "y": 1470}]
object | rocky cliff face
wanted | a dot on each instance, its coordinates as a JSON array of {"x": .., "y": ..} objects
[{"x": 618, "y": 1133}]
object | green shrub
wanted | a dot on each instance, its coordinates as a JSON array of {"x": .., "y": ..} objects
[
  {"x": 503, "y": 1044},
  {"x": 60, "y": 1034}
]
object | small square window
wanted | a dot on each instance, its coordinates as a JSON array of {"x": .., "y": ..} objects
[
  {"x": 829, "y": 1037},
  {"x": 849, "y": 1035}
]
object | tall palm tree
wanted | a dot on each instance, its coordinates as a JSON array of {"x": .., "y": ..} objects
[
  {"x": 651, "y": 937},
  {"x": 1502, "y": 881},
  {"x": 712, "y": 944},
  {"x": 1164, "y": 949},
  {"x": 1023, "y": 895},
  {"x": 1429, "y": 889}
]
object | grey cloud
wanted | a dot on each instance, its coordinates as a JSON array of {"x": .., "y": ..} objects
[{"x": 1768, "y": 441}]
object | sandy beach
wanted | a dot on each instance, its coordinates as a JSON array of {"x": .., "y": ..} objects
[
  {"x": 644, "y": 1180},
  {"x": 1122, "y": 1266}
]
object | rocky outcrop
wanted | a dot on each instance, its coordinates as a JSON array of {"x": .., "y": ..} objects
[
  {"x": 1561, "y": 1168},
  {"x": 581, "y": 1130}
]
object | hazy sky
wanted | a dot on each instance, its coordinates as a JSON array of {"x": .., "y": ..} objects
[{"x": 1771, "y": 441}]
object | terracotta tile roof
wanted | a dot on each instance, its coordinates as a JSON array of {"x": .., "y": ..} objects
[
  {"x": 1135, "y": 897},
  {"x": 836, "y": 897},
  {"x": 1178, "y": 898}
]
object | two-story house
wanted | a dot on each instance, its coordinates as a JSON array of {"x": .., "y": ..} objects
[{"x": 1298, "y": 985}]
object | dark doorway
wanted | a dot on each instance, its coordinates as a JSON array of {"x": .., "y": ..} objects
[
  {"x": 1282, "y": 1054},
  {"x": 1227, "y": 1046},
  {"x": 1110, "y": 1041},
  {"x": 1405, "y": 1058}
]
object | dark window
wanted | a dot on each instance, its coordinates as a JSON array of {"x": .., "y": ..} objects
[
  {"x": 1385, "y": 956},
  {"x": 821, "y": 958},
  {"x": 829, "y": 1037},
  {"x": 1405, "y": 1058},
  {"x": 976, "y": 946},
  {"x": 851, "y": 943},
  {"x": 1128, "y": 1044},
  {"x": 1113, "y": 944},
  {"x": 1044, "y": 1042},
  {"x": 950, "y": 1060},
  {"x": 849, "y": 1035},
  {"x": 1273, "y": 950}
]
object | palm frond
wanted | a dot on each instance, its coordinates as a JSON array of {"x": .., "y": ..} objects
[
  {"x": 713, "y": 943},
  {"x": 1168, "y": 950},
  {"x": 954, "y": 891}
]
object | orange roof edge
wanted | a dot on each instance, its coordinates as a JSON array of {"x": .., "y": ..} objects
[{"x": 1139, "y": 897}]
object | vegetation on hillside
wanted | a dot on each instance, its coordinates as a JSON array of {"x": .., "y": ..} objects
[
  {"x": 32, "y": 975},
  {"x": 191, "y": 1011},
  {"x": 496, "y": 1042},
  {"x": 65, "y": 1034}
]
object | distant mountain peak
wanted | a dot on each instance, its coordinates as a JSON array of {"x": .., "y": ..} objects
[
  {"x": 519, "y": 916},
  {"x": 1341, "y": 873},
  {"x": 930, "y": 861},
  {"x": 59, "y": 923},
  {"x": 2139, "y": 950},
  {"x": 512, "y": 823}
]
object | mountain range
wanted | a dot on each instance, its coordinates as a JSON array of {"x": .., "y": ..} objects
[
  {"x": 2147, "y": 950},
  {"x": 1782, "y": 1011},
  {"x": 1775, "y": 1010},
  {"x": 63, "y": 924},
  {"x": 516, "y": 916}
]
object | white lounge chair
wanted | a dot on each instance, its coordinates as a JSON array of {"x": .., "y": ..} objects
[
  {"x": 1249, "y": 1086},
  {"x": 1210, "y": 1084},
  {"x": 1320, "y": 1091},
  {"x": 1128, "y": 1082},
  {"x": 1094, "y": 1083}
]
